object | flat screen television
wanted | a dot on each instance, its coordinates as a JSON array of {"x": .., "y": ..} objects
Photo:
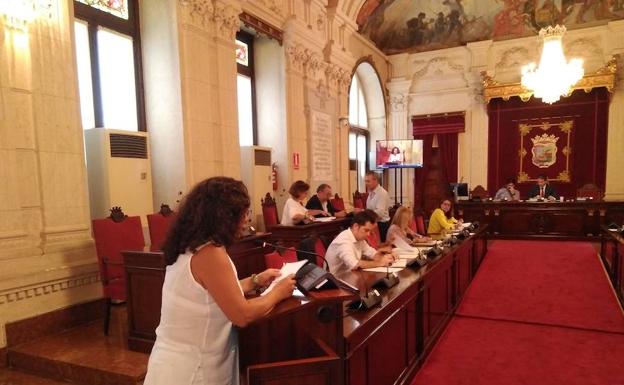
[
  {"x": 404, "y": 153},
  {"x": 459, "y": 190}
]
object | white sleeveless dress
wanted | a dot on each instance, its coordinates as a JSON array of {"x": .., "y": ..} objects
[{"x": 196, "y": 343}]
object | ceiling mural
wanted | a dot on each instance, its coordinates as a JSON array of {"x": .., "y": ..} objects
[{"x": 422, "y": 25}]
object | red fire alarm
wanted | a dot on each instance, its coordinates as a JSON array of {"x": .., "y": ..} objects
[{"x": 296, "y": 160}]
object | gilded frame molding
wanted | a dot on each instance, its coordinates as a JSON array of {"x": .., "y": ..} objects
[{"x": 604, "y": 77}]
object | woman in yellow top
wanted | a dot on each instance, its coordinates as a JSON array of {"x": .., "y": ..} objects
[{"x": 442, "y": 219}]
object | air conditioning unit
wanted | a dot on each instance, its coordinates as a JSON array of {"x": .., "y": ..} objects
[
  {"x": 119, "y": 172},
  {"x": 256, "y": 174}
]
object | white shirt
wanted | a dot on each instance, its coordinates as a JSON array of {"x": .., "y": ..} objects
[
  {"x": 345, "y": 252},
  {"x": 379, "y": 201},
  {"x": 291, "y": 208},
  {"x": 195, "y": 341}
]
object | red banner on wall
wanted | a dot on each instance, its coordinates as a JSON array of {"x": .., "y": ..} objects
[{"x": 545, "y": 149}]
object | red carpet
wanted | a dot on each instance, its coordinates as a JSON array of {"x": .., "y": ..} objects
[
  {"x": 555, "y": 283},
  {"x": 478, "y": 352},
  {"x": 537, "y": 313}
]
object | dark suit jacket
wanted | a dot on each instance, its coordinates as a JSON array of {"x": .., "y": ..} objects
[
  {"x": 314, "y": 203},
  {"x": 548, "y": 191}
]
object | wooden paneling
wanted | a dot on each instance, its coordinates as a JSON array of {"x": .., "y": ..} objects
[
  {"x": 612, "y": 253},
  {"x": 293, "y": 235},
  {"x": 572, "y": 220}
]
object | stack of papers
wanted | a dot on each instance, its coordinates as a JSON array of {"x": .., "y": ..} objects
[
  {"x": 286, "y": 270},
  {"x": 384, "y": 269},
  {"x": 324, "y": 219}
]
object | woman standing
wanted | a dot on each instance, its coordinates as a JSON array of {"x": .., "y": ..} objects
[
  {"x": 442, "y": 219},
  {"x": 399, "y": 229},
  {"x": 202, "y": 296}
]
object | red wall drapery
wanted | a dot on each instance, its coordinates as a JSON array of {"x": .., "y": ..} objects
[
  {"x": 446, "y": 127},
  {"x": 588, "y": 143}
]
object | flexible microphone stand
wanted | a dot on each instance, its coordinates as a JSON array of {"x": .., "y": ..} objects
[
  {"x": 275, "y": 246},
  {"x": 370, "y": 299}
]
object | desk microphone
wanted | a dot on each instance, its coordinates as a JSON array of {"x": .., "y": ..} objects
[
  {"x": 275, "y": 246},
  {"x": 370, "y": 299},
  {"x": 389, "y": 280}
]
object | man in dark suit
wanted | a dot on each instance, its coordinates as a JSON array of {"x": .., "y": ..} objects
[
  {"x": 321, "y": 201},
  {"x": 543, "y": 190}
]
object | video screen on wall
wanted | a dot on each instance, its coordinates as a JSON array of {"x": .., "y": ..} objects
[{"x": 405, "y": 153}]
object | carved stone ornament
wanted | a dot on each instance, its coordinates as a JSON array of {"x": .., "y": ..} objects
[
  {"x": 604, "y": 77},
  {"x": 165, "y": 210},
  {"x": 398, "y": 102},
  {"x": 223, "y": 15},
  {"x": 117, "y": 215}
]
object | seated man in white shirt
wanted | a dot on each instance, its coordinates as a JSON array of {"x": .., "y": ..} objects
[{"x": 350, "y": 251}]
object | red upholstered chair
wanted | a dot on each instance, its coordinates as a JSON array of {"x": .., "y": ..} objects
[
  {"x": 420, "y": 225},
  {"x": 337, "y": 203},
  {"x": 312, "y": 244},
  {"x": 159, "y": 224},
  {"x": 374, "y": 239},
  {"x": 269, "y": 211},
  {"x": 276, "y": 260},
  {"x": 479, "y": 192},
  {"x": 112, "y": 235},
  {"x": 590, "y": 190},
  {"x": 320, "y": 249},
  {"x": 359, "y": 202}
]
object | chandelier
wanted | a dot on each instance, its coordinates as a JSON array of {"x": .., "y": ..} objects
[{"x": 555, "y": 76}]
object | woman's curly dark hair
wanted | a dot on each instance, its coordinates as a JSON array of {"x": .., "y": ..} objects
[{"x": 212, "y": 211}]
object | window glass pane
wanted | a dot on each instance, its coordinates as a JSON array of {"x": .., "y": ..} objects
[
  {"x": 353, "y": 103},
  {"x": 116, "y": 62},
  {"x": 361, "y": 148},
  {"x": 117, "y": 8},
  {"x": 83, "y": 65},
  {"x": 245, "y": 116},
  {"x": 352, "y": 146},
  {"x": 362, "y": 115},
  {"x": 242, "y": 53}
]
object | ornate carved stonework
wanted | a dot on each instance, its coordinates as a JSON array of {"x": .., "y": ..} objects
[
  {"x": 398, "y": 103},
  {"x": 36, "y": 290},
  {"x": 210, "y": 13},
  {"x": 437, "y": 66},
  {"x": 513, "y": 57}
]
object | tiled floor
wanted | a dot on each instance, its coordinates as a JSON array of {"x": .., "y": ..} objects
[{"x": 84, "y": 355}]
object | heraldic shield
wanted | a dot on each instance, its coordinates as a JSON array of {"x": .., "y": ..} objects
[{"x": 544, "y": 150}]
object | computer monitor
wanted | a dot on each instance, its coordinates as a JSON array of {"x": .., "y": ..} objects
[{"x": 459, "y": 190}]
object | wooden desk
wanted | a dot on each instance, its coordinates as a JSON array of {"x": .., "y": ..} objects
[
  {"x": 145, "y": 274},
  {"x": 612, "y": 254},
  {"x": 545, "y": 220},
  {"x": 291, "y": 236},
  {"x": 387, "y": 344},
  {"x": 317, "y": 341}
]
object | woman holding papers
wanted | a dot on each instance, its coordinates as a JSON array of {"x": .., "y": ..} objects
[
  {"x": 442, "y": 219},
  {"x": 202, "y": 296},
  {"x": 294, "y": 212},
  {"x": 399, "y": 229}
]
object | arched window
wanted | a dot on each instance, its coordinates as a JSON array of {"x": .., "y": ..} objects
[
  {"x": 367, "y": 119},
  {"x": 357, "y": 104}
]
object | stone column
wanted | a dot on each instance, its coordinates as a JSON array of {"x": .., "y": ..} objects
[
  {"x": 207, "y": 30},
  {"x": 615, "y": 140},
  {"x": 46, "y": 251}
]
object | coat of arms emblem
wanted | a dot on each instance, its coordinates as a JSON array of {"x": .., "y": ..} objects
[{"x": 544, "y": 150}]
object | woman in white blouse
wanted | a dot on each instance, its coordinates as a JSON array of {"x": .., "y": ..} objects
[
  {"x": 400, "y": 227},
  {"x": 294, "y": 212}
]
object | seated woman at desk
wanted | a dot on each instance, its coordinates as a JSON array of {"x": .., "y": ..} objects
[
  {"x": 202, "y": 296},
  {"x": 294, "y": 212},
  {"x": 442, "y": 219},
  {"x": 399, "y": 229}
]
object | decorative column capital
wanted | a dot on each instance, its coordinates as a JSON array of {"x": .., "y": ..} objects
[
  {"x": 398, "y": 102},
  {"x": 209, "y": 14}
]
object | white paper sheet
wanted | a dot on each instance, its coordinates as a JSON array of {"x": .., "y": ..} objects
[
  {"x": 324, "y": 219},
  {"x": 384, "y": 270},
  {"x": 286, "y": 270}
]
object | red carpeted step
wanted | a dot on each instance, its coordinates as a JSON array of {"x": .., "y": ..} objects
[
  {"x": 484, "y": 352},
  {"x": 556, "y": 283}
]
